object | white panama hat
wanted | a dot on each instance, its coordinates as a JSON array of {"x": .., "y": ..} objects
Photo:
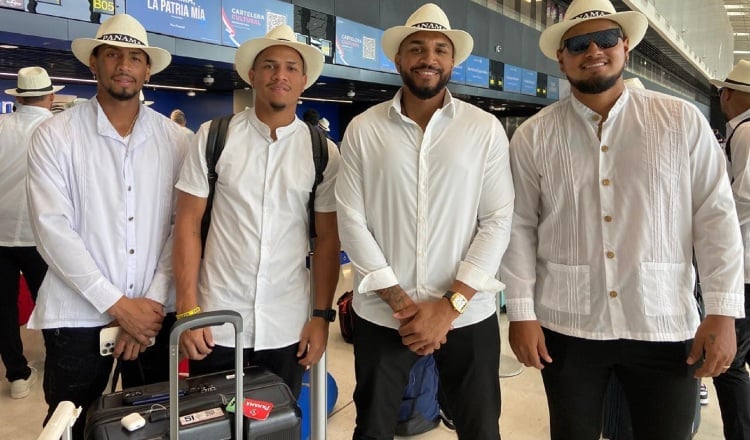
[
  {"x": 33, "y": 81},
  {"x": 738, "y": 78},
  {"x": 429, "y": 17},
  {"x": 633, "y": 24},
  {"x": 281, "y": 35},
  {"x": 122, "y": 30},
  {"x": 324, "y": 124}
]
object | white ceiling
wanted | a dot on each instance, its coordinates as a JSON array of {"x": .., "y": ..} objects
[{"x": 740, "y": 26}]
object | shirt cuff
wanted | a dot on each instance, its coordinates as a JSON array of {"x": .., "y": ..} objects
[
  {"x": 724, "y": 304},
  {"x": 102, "y": 295},
  {"x": 377, "y": 280},
  {"x": 520, "y": 309},
  {"x": 159, "y": 289},
  {"x": 478, "y": 279}
]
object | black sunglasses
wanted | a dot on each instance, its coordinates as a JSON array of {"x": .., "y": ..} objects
[{"x": 604, "y": 39}]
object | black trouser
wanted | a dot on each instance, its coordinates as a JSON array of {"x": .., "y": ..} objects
[
  {"x": 733, "y": 386},
  {"x": 659, "y": 386},
  {"x": 281, "y": 361},
  {"x": 13, "y": 261},
  {"x": 74, "y": 370},
  {"x": 467, "y": 364}
]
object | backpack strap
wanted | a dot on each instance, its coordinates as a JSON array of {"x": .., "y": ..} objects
[
  {"x": 217, "y": 137},
  {"x": 320, "y": 159},
  {"x": 727, "y": 146}
]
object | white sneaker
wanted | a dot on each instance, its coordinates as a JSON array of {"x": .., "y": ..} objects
[
  {"x": 704, "y": 395},
  {"x": 22, "y": 387}
]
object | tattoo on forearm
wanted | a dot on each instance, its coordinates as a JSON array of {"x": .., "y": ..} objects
[{"x": 394, "y": 296}]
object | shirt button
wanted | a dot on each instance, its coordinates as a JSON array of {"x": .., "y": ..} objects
[
  {"x": 129, "y": 188},
  {"x": 605, "y": 182},
  {"x": 608, "y": 218},
  {"x": 131, "y": 286},
  {"x": 132, "y": 251},
  {"x": 612, "y": 294},
  {"x": 605, "y": 148},
  {"x": 130, "y": 219},
  {"x": 595, "y": 118},
  {"x": 610, "y": 255}
]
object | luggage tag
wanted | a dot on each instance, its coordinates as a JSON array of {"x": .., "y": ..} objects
[
  {"x": 256, "y": 409},
  {"x": 230, "y": 406}
]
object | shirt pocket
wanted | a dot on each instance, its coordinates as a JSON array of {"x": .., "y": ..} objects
[
  {"x": 567, "y": 289},
  {"x": 664, "y": 287}
]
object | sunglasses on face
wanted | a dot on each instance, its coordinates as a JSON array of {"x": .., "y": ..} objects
[{"x": 604, "y": 39}]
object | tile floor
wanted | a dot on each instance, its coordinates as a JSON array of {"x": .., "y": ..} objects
[{"x": 524, "y": 413}]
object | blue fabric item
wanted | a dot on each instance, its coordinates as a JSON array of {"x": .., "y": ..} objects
[
  {"x": 419, "y": 411},
  {"x": 304, "y": 401}
]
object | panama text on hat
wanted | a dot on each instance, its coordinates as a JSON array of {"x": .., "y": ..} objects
[
  {"x": 428, "y": 17},
  {"x": 633, "y": 24},
  {"x": 122, "y": 30},
  {"x": 33, "y": 81},
  {"x": 738, "y": 78},
  {"x": 281, "y": 35}
]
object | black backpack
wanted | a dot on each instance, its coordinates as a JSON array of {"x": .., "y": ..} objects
[{"x": 217, "y": 137}]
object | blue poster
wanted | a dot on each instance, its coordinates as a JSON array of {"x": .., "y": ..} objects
[
  {"x": 477, "y": 71},
  {"x": 386, "y": 65},
  {"x": 459, "y": 74},
  {"x": 190, "y": 19},
  {"x": 512, "y": 78},
  {"x": 553, "y": 89},
  {"x": 528, "y": 82},
  {"x": 357, "y": 45},
  {"x": 242, "y": 20}
]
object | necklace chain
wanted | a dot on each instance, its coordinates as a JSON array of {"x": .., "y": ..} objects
[{"x": 132, "y": 124}]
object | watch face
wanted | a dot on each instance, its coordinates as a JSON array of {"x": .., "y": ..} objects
[{"x": 459, "y": 302}]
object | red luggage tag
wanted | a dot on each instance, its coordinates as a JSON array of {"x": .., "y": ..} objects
[{"x": 256, "y": 409}]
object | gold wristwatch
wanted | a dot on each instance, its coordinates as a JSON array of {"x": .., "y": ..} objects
[{"x": 458, "y": 301}]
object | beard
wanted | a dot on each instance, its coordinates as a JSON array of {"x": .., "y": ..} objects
[
  {"x": 594, "y": 86},
  {"x": 277, "y": 106},
  {"x": 426, "y": 92},
  {"x": 122, "y": 95}
]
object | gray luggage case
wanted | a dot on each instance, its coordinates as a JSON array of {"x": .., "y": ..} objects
[{"x": 204, "y": 397}]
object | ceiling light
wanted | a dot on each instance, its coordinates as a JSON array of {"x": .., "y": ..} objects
[
  {"x": 742, "y": 52},
  {"x": 736, "y": 13},
  {"x": 340, "y": 101},
  {"x": 742, "y": 34},
  {"x": 191, "y": 93},
  {"x": 8, "y": 46},
  {"x": 734, "y": 6}
]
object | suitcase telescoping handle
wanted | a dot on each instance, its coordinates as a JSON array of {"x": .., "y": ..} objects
[{"x": 204, "y": 320}]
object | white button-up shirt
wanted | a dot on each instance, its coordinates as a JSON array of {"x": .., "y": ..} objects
[
  {"x": 604, "y": 229},
  {"x": 422, "y": 209},
  {"x": 102, "y": 209},
  {"x": 15, "y": 135},
  {"x": 254, "y": 259},
  {"x": 740, "y": 174}
]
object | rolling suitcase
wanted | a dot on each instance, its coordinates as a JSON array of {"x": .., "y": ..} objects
[{"x": 200, "y": 412}]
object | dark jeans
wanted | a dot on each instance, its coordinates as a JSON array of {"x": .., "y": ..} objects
[
  {"x": 13, "y": 261},
  {"x": 733, "y": 386},
  {"x": 281, "y": 361},
  {"x": 467, "y": 364},
  {"x": 74, "y": 370},
  {"x": 658, "y": 385}
]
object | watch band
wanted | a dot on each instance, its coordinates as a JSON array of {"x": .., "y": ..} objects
[{"x": 327, "y": 314}]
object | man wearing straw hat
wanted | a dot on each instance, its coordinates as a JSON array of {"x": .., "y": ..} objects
[
  {"x": 35, "y": 94},
  {"x": 100, "y": 187},
  {"x": 425, "y": 200},
  {"x": 733, "y": 385},
  {"x": 615, "y": 188},
  {"x": 260, "y": 219}
]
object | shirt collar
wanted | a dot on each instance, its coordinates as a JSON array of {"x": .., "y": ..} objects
[
  {"x": 449, "y": 108},
  {"x": 732, "y": 123},
  {"x": 265, "y": 130},
  {"x": 586, "y": 113},
  {"x": 33, "y": 109}
]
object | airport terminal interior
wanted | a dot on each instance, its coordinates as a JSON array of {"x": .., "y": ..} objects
[{"x": 688, "y": 43}]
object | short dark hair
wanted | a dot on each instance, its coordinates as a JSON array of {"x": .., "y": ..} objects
[
  {"x": 311, "y": 115},
  {"x": 95, "y": 52},
  {"x": 28, "y": 100}
]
